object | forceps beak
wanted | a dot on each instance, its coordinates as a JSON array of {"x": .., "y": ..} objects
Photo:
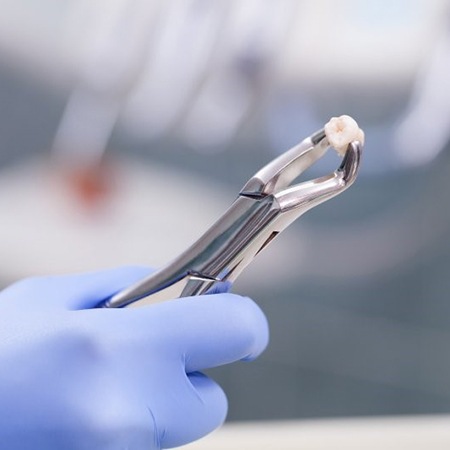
[
  {"x": 275, "y": 178},
  {"x": 309, "y": 194}
]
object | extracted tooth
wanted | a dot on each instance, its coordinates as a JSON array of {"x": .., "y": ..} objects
[{"x": 340, "y": 131}]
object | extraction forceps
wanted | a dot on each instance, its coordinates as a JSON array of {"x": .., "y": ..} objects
[{"x": 266, "y": 205}]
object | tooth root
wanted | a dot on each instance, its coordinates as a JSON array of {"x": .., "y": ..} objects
[{"x": 340, "y": 131}]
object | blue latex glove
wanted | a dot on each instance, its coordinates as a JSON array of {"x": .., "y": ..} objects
[{"x": 78, "y": 378}]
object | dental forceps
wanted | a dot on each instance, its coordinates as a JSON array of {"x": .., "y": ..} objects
[{"x": 266, "y": 205}]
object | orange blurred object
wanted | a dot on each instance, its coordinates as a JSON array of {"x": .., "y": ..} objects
[{"x": 92, "y": 185}]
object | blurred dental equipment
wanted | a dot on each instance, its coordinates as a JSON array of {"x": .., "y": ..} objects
[
  {"x": 203, "y": 71},
  {"x": 266, "y": 205},
  {"x": 424, "y": 131},
  {"x": 112, "y": 65},
  {"x": 133, "y": 68}
]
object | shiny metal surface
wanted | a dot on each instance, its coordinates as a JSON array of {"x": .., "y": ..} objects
[{"x": 265, "y": 206}]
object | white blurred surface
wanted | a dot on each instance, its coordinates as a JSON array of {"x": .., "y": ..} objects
[
  {"x": 147, "y": 220},
  {"x": 388, "y": 433}
]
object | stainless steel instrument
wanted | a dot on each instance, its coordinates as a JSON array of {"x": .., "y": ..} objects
[{"x": 266, "y": 205}]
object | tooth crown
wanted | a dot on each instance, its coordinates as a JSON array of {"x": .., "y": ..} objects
[{"x": 342, "y": 130}]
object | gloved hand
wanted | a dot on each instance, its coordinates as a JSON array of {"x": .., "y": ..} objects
[{"x": 73, "y": 377}]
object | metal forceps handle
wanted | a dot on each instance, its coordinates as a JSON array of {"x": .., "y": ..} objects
[{"x": 266, "y": 205}]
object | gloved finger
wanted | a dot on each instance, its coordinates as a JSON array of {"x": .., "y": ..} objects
[
  {"x": 203, "y": 409},
  {"x": 209, "y": 330},
  {"x": 220, "y": 288},
  {"x": 73, "y": 292}
]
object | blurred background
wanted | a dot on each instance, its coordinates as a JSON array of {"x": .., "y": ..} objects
[{"x": 128, "y": 126}]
